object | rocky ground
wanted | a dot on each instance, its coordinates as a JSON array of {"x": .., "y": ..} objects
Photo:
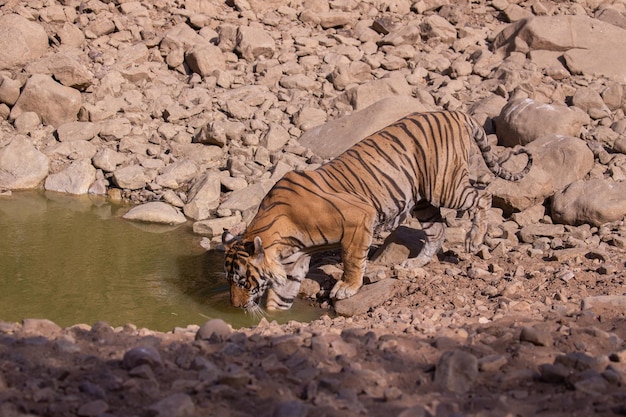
[{"x": 193, "y": 108}]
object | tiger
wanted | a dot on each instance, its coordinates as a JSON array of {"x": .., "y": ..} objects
[{"x": 417, "y": 165}]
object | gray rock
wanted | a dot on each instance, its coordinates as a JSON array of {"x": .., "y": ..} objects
[
  {"x": 365, "y": 95},
  {"x": 155, "y": 212},
  {"x": 524, "y": 120},
  {"x": 177, "y": 174},
  {"x": 536, "y": 336},
  {"x": 456, "y": 371},
  {"x": 247, "y": 199},
  {"x": 204, "y": 197},
  {"x": 369, "y": 296},
  {"x": 132, "y": 177},
  {"x": 53, "y": 102},
  {"x": 142, "y": 355},
  {"x": 215, "y": 330},
  {"x": 334, "y": 137},
  {"x": 175, "y": 405},
  {"x": 592, "y": 47},
  {"x": 595, "y": 201},
  {"x": 215, "y": 227},
  {"x": 21, "y": 165},
  {"x": 75, "y": 179},
  {"x": 21, "y": 41},
  {"x": 613, "y": 302},
  {"x": 40, "y": 327},
  {"x": 557, "y": 162},
  {"x": 93, "y": 408}
]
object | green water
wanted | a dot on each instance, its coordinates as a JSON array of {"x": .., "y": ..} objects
[{"x": 75, "y": 260}]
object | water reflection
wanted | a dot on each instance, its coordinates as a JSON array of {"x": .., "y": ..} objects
[{"x": 74, "y": 260}]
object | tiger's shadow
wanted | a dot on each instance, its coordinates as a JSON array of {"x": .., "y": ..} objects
[{"x": 325, "y": 269}]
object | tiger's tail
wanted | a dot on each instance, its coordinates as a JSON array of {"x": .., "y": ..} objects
[{"x": 485, "y": 149}]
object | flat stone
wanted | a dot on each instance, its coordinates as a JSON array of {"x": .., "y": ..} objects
[
  {"x": 368, "y": 296},
  {"x": 155, "y": 212}
]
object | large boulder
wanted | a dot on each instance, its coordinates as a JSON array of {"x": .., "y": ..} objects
[
  {"x": 595, "y": 202},
  {"x": 522, "y": 121},
  {"x": 21, "y": 165},
  {"x": 21, "y": 41},
  {"x": 588, "y": 46},
  {"x": 53, "y": 102},
  {"x": 557, "y": 162},
  {"x": 332, "y": 138}
]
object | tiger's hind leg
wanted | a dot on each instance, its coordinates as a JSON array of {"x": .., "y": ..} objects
[
  {"x": 480, "y": 224},
  {"x": 434, "y": 229}
]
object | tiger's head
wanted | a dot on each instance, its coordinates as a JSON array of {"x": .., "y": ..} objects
[{"x": 249, "y": 271}]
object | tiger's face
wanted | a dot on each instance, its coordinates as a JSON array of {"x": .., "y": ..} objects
[{"x": 244, "y": 265}]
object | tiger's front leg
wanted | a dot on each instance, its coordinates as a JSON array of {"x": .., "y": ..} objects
[
  {"x": 280, "y": 296},
  {"x": 355, "y": 245}
]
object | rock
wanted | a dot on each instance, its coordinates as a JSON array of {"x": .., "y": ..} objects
[
  {"x": 142, "y": 355},
  {"x": 93, "y": 408},
  {"x": 531, "y": 232},
  {"x": 205, "y": 59},
  {"x": 215, "y": 330},
  {"x": 368, "y": 296},
  {"x": 71, "y": 131},
  {"x": 21, "y": 165},
  {"x": 215, "y": 227},
  {"x": 253, "y": 43},
  {"x": 323, "y": 139},
  {"x": 247, "y": 199},
  {"x": 75, "y": 179},
  {"x": 204, "y": 197},
  {"x": 70, "y": 72},
  {"x": 595, "y": 201},
  {"x": 40, "y": 327},
  {"x": 365, "y": 95},
  {"x": 535, "y": 336},
  {"x": 9, "y": 90},
  {"x": 613, "y": 302},
  {"x": 291, "y": 408},
  {"x": 21, "y": 41},
  {"x": 132, "y": 177},
  {"x": 456, "y": 371},
  {"x": 402, "y": 244},
  {"x": 155, "y": 212},
  {"x": 275, "y": 138},
  {"x": 26, "y": 122},
  {"x": 175, "y": 405},
  {"x": 524, "y": 120},
  {"x": 177, "y": 174},
  {"x": 557, "y": 162},
  {"x": 108, "y": 160},
  {"x": 590, "y": 46},
  {"x": 53, "y": 102}
]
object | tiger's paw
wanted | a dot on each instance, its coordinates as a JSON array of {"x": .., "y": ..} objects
[{"x": 343, "y": 290}]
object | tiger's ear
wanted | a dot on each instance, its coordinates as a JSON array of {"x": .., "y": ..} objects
[
  {"x": 258, "y": 247},
  {"x": 228, "y": 239}
]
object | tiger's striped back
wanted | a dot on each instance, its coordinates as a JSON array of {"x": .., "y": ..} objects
[{"x": 418, "y": 163}]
